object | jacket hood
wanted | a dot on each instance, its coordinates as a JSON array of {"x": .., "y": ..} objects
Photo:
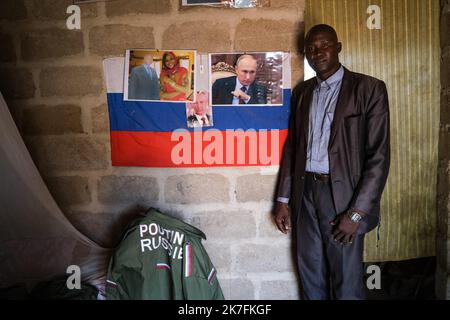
[{"x": 172, "y": 223}]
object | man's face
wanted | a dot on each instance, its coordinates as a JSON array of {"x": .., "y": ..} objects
[
  {"x": 201, "y": 105},
  {"x": 246, "y": 71},
  {"x": 322, "y": 53},
  {"x": 148, "y": 59}
]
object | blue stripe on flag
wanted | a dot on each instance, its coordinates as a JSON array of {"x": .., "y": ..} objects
[{"x": 166, "y": 117}]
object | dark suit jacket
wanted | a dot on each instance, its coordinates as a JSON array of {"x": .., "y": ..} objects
[
  {"x": 221, "y": 92},
  {"x": 193, "y": 121},
  {"x": 141, "y": 86},
  {"x": 359, "y": 147}
]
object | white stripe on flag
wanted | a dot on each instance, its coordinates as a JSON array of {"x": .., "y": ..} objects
[
  {"x": 287, "y": 80},
  {"x": 113, "y": 69}
]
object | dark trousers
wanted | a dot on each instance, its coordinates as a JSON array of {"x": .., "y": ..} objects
[{"x": 327, "y": 269}]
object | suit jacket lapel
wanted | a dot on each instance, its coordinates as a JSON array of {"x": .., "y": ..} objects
[
  {"x": 305, "y": 110},
  {"x": 342, "y": 102}
]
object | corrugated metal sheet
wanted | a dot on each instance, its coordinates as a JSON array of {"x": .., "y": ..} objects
[{"x": 405, "y": 53}]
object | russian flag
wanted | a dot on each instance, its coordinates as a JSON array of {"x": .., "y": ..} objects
[{"x": 155, "y": 134}]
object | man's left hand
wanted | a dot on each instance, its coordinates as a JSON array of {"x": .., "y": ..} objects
[{"x": 345, "y": 229}]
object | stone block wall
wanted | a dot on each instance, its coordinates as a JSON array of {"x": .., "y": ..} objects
[
  {"x": 443, "y": 201},
  {"x": 52, "y": 79}
]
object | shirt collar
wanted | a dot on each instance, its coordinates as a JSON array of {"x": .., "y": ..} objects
[
  {"x": 239, "y": 85},
  {"x": 333, "y": 80}
]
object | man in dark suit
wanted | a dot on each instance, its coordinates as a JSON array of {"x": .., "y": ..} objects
[
  {"x": 334, "y": 169},
  {"x": 144, "y": 82},
  {"x": 198, "y": 112},
  {"x": 241, "y": 89}
]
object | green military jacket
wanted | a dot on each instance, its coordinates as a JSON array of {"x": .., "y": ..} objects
[{"x": 161, "y": 257}]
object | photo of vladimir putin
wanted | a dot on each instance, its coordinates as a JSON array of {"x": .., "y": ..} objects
[
  {"x": 240, "y": 89},
  {"x": 199, "y": 113}
]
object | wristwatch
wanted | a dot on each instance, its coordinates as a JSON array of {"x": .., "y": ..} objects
[{"x": 354, "y": 216}]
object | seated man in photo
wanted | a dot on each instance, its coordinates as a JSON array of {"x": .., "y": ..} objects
[{"x": 241, "y": 89}]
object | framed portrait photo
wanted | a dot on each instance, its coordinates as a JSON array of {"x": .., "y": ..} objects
[
  {"x": 245, "y": 79},
  {"x": 159, "y": 75}
]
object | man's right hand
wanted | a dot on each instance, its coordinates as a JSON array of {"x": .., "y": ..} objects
[
  {"x": 240, "y": 95},
  {"x": 282, "y": 217}
]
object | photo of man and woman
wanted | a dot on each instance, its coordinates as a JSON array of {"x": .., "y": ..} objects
[{"x": 159, "y": 75}]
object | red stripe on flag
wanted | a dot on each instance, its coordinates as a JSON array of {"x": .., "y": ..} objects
[{"x": 195, "y": 149}]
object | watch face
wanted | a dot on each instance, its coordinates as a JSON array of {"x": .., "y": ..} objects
[{"x": 356, "y": 217}]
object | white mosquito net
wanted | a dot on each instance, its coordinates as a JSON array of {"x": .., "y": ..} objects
[{"x": 37, "y": 242}]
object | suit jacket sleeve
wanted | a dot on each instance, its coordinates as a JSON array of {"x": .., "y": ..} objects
[
  {"x": 262, "y": 94},
  {"x": 216, "y": 90},
  {"x": 132, "y": 84},
  {"x": 286, "y": 169},
  {"x": 375, "y": 171}
]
